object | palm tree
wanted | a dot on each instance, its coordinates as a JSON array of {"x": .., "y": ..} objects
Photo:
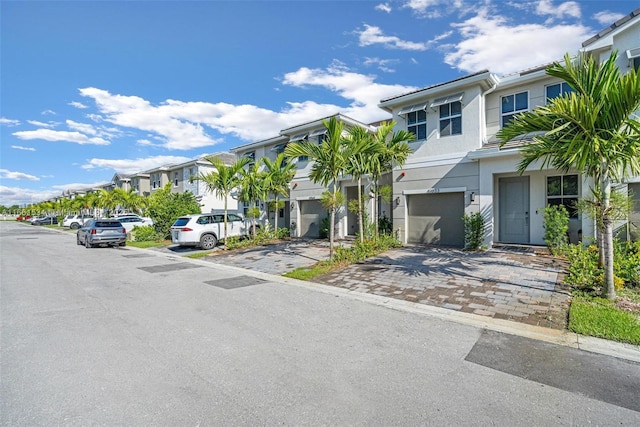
[
  {"x": 223, "y": 180},
  {"x": 592, "y": 130},
  {"x": 361, "y": 148},
  {"x": 279, "y": 174},
  {"x": 329, "y": 163},
  {"x": 252, "y": 190},
  {"x": 393, "y": 151}
]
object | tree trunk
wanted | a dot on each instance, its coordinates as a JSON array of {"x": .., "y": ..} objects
[
  {"x": 331, "y": 230},
  {"x": 276, "y": 211},
  {"x": 360, "y": 225},
  {"x": 607, "y": 223},
  {"x": 225, "y": 222}
]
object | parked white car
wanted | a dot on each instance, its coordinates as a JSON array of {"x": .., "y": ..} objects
[
  {"x": 75, "y": 221},
  {"x": 129, "y": 221},
  {"x": 206, "y": 230}
]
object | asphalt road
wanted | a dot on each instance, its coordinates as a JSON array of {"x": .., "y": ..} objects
[{"x": 110, "y": 336}]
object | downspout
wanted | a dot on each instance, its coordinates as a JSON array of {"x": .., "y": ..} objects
[{"x": 483, "y": 126}]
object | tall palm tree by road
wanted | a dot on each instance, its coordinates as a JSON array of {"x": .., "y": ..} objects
[
  {"x": 329, "y": 163},
  {"x": 223, "y": 180},
  {"x": 278, "y": 175}
]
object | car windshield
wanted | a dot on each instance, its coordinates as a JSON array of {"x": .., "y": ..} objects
[
  {"x": 181, "y": 222},
  {"x": 106, "y": 224}
]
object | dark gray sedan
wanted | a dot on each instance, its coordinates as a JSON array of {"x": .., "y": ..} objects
[{"x": 106, "y": 231}]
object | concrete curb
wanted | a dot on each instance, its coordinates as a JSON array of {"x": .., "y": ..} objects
[{"x": 565, "y": 338}]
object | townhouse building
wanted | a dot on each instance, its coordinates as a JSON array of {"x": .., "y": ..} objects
[
  {"x": 184, "y": 177},
  {"x": 303, "y": 213}
]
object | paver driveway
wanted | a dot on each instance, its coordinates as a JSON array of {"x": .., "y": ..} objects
[
  {"x": 501, "y": 284},
  {"x": 497, "y": 283}
]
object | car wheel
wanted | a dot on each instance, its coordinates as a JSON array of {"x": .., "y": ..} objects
[
  {"x": 78, "y": 240},
  {"x": 123, "y": 244},
  {"x": 87, "y": 244},
  {"x": 208, "y": 241},
  {"x": 74, "y": 226}
]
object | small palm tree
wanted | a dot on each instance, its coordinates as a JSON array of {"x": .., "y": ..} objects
[
  {"x": 279, "y": 174},
  {"x": 392, "y": 151},
  {"x": 223, "y": 180},
  {"x": 360, "y": 149},
  {"x": 593, "y": 130},
  {"x": 329, "y": 163},
  {"x": 252, "y": 190}
]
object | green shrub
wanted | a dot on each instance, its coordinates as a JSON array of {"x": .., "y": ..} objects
[
  {"x": 556, "y": 226},
  {"x": 147, "y": 233},
  {"x": 583, "y": 270},
  {"x": 324, "y": 226},
  {"x": 474, "y": 229},
  {"x": 165, "y": 207},
  {"x": 384, "y": 224},
  {"x": 626, "y": 262}
]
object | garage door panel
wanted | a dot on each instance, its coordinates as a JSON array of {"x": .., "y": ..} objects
[
  {"x": 436, "y": 219},
  {"x": 311, "y": 214}
]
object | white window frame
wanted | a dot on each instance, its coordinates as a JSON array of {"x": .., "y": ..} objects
[
  {"x": 564, "y": 89},
  {"x": 175, "y": 179},
  {"x": 515, "y": 111},
  {"x": 449, "y": 118},
  {"x": 417, "y": 124}
]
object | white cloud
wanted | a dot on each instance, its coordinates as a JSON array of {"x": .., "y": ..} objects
[
  {"x": 128, "y": 166},
  {"x": 7, "y": 174},
  {"x": 607, "y": 18},
  {"x": 10, "y": 196},
  {"x": 38, "y": 123},
  {"x": 78, "y": 186},
  {"x": 180, "y": 125},
  {"x": 48, "y": 113},
  {"x": 79, "y": 105},
  {"x": 372, "y": 35},
  {"x": 364, "y": 93},
  {"x": 489, "y": 41},
  {"x": 383, "y": 7},
  {"x": 81, "y": 127},
  {"x": 20, "y": 147},
  {"x": 53, "y": 135},
  {"x": 569, "y": 8},
  {"x": 438, "y": 8},
  {"x": 382, "y": 64},
  {"x": 9, "y": 122}
]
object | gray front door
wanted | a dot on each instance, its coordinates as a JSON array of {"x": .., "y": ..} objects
[{"x": 514, "y": 209}]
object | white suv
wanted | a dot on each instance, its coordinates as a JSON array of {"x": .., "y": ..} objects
[
  {"x": 205, "y": 230},
  {"x": 74, "y": 221},
  {"x": 129, "y": 221}
]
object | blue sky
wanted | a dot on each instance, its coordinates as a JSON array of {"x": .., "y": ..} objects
[{"x": 90, "y": 89}]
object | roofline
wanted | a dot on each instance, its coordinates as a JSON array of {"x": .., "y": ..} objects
[
  {"x": 440, "y": 87},
  {"x": 619, "y": 23}
]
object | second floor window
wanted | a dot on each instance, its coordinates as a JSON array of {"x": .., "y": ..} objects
[
  {"x": 451, "y": 119},
  {"x": 512, "y": 105},
  {"x": 175, "y": 179},
  {"x": 417, "y": 124},
  {"x": 560, "y": 89}
]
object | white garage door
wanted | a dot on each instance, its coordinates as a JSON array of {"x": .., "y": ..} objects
[
  {"x": 311, "y": 214},
  {"x": 436, "y": 219}
]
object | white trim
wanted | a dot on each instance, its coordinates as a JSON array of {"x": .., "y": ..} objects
[
  {"x": 435, "y": 190},
  {"x": 303, "y": 198},
  {"x": 318, "y": 132},
  {"x": 447, "y": 100},
  {"x": 413, "y": 108}
]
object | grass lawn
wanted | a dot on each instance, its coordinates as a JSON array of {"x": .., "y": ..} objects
[
  {"x": 149, "y": 244},
  {"x": 308, "y": 273},
  {"x": 613, "y": 320}
]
